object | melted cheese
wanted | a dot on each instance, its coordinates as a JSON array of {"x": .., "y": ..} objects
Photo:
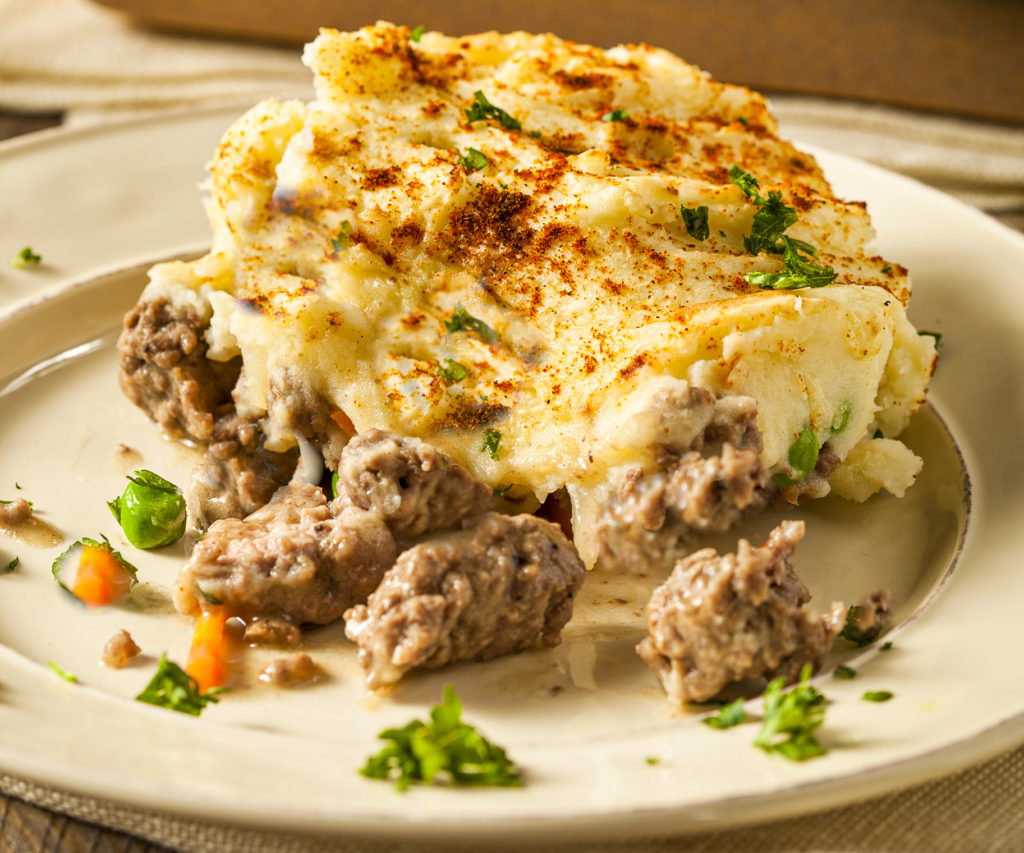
[{"x": 348, "y": 232}]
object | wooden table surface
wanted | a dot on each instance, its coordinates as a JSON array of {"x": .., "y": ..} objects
[{"x": 25, "y": 828}]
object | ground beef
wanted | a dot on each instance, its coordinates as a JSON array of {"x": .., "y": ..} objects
[
  {"x": 235, "y": 486},
  {"x": 271, "y": 631},
  {"x": 719, "y": 619},
  {"x": 120, "y": 650},
  {"x": 413, "y": 486},
  {"x": 294, "y": 404},
  {"x": 165, "y": 371},
  {"x": 487, "y": 590},
  {"x": 15, "y": 513},
  {"x": 653, "y": 518},
  {"x": 291, "y": 671},
  {"x": 292, "y": 559}
]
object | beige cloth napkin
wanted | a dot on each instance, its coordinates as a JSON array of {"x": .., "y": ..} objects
[{"x": 71, "y": 56}]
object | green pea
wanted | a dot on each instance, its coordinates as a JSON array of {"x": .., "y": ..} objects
[
  {"x": 151, "y": 511},
  {"x": 803, "y": 456}
]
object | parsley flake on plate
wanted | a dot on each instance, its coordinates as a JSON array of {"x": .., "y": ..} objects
[
  {"x": 445, "y": 749},
  {"x": 728, "y": 716},
  {"x": 853, "y": 632},
  {"x": 877, "y": 696},
  {"x": 25, "y": 258},
  {"x": 63, "y": 673},
  {"x": 173, "y": 688},
  {"x": 11, "y": 566},
  {"x": 791, "y": 719},
  {"x": 844, "y": 671}
]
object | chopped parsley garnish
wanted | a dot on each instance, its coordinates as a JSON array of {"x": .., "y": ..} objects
[
  {"x": 652, "y": 761},
  {"x": 799, "y": 271},
  {"x": 11, "y": 566},
  {"x": 844, "y": 671},
  {"x": 462, "y": 321},
  {"x": 25, "y": 258},
  {"x": 877, "y": 696},
  {"x": 452, "y": 371},
  {"x": 696, "y": 221},
  {"x": 615, "y": 115},
  {"x": 887, "y": 269},
  {"x": 173, "y": 688},
  {"x": 728, "y": 716},
  {"x": 791, "y": 719},
  {"x": 445, "y": 750},
  {"x": 151, "y": 511},
  {"x": 746, "y": 182},
  {"x": 474, "y": 161},
  {"x": 416, "y": 34},
  {"x": 769, "y": 224},
  {"x": 501, "y": 491},
  {"x": 482, "y": 110},
  {"x": 854, "y": 633},
  {"x": 334, "y": 484},
  {"x": 886, "y": 646},
  {"x": 492, "y": 438},
  {"x": 878, "y": 434},
  {"x": 802, "y": 457},
  {"x": 743, "y": 120},
  {"x": 341, "y": 241},
  {"x": 63, "y": 673},
  {"x": 767, "y": 234}
]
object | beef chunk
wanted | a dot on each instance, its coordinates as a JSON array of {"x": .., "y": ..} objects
[
  {"x": 487, "y": 590},
  {"x": 120, "y": 650},
  {"x": 413, "y": 486},
  {"x": 15, "y": 513},
  {"x": 292, "y": 559},
  {"x": 719, "y": 619},
  {"x": 291, "y": 671},
  {"x": 165, "y": 371},
  {"x": 651, "y": 520}
]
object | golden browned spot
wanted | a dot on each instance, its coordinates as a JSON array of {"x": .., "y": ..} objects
[
  {"x": 376, "y": 179},
  {"x": 591, "y": 80},
  {"x": 634, "y": 365}
]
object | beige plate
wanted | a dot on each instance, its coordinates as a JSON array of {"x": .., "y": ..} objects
[{"x": 581, "y": 719}]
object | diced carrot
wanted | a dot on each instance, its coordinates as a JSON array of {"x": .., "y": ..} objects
[
  {"x": 100, "y": 579},
  {"x": 344, "y": 421},
  {"x": 211, "y": 646}
]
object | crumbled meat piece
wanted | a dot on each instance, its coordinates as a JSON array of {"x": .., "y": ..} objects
[
  {"x": 165, "y": 371},
  {"x": 652, "y": 519},
  {"x": 17, "y": 512},
  {"x": 719, "y": 619},
  {"x": 293, "y": 559},
  {"x": 873, "y": 612},
  {"x": 291, "y": 671},
  {"x": 235, "y": 486},
  {"x": 119, "y": 650},
  {"x": 487, "y": 590},
  {"x": 413, "y": 486},
  {"x": 272, "y": 631}
]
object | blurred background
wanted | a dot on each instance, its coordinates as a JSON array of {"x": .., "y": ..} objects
[{"x": 930, "y": 88}]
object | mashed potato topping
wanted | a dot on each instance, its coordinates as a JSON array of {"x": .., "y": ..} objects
[{"x": 479, "y": 241}]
